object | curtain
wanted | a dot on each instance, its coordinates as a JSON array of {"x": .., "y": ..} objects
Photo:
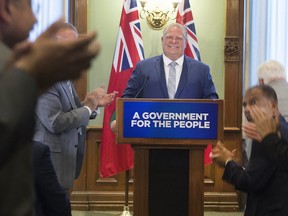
[
  {"x": 266, "y": 35},
  {"x": 47, "y": 11}
]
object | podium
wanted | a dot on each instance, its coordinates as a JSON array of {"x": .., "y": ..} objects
[{"x": 169, "y": 138}]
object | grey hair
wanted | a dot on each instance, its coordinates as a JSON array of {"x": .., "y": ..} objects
[
  {"x": 271, "y": 70},
  {"x": 181, "y": 27}
]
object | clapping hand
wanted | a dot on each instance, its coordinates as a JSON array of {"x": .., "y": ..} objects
[
  {"x": 221, "y": 155},
  {"x": 102, "y": 98},
  {"x": 265, "y": 123},
  {"x": 251, "y": 131}
]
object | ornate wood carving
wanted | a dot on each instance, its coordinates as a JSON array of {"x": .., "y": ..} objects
[{"x": 232, "y": 49}]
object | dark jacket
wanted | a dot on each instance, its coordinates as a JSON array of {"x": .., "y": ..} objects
[
  {"x": 265, "y": 184},
  {"x": 195, "y": 81}
]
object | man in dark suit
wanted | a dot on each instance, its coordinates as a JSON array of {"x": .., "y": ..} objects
[
  {"x": 264, "y": 183},
  {"x": 193, "y": 78},
  {"x": 24, "y": 74},
  {"x": 176, "y": 76},
  {"x": 272, "y": 143},
  {"x": 51, "y": 198},
  {"x": 150, "y": 79}
]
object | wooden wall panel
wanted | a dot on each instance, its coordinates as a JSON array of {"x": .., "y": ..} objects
[
  {"x": 91, "y": 192},
  {"x": 78, "y": 17}
]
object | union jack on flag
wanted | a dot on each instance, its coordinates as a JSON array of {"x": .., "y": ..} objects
[
  {"x": 129, "y": 45},
  {"x": 129, "y": 50},
  {"x": 185, "y": 17}
]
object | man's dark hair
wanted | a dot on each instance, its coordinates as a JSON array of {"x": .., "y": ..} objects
[{"x": 267, "y": 91}]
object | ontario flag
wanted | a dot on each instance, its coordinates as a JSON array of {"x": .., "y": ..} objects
[
  {"x": 116, "y": 158},
  {"x": 185, "y": 17}
]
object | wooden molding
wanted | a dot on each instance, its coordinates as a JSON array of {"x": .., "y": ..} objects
[{"x": 114, "y": 201}]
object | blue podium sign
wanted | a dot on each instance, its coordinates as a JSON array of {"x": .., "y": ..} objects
[{"x": 178, "y": 120}]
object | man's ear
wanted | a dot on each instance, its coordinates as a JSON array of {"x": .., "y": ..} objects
[
  {"x": 274, "y": 106},
  {"x": 275, "y": 112},
  {"x": 5, "y": 15}
]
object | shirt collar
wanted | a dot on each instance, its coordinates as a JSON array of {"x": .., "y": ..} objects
[{"x": 167, "y": 61}]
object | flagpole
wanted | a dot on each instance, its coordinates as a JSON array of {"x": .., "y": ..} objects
[
  {"x": 126, "y": 211},
  {"x": 126, "y": 187}
]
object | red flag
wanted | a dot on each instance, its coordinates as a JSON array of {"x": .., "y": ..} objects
[
  {"x": 185, "y": 17},
  {"x": 116, "y": 158}
]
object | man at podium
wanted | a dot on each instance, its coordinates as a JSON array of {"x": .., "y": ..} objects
[{"x": 171, "y": 75}]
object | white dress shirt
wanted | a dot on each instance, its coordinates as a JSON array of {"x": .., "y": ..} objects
[{"x": 178, "y": 68}]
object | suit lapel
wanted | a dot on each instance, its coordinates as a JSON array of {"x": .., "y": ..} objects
[
  {"x": 76, "y": 98},
  {"x": 161, "y": 75},
  {"x": 69, "y": 95},
  {"x": 183, "y": 78}
]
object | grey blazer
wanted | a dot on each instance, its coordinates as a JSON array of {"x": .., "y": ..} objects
[
  {"x": 281, "y": 89},
  {"x": 60, "y": 123}
]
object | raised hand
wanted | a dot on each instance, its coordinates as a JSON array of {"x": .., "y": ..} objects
[
  {"x": 99, "y": 98},
  {"x": 221, "y": 155},
  {"x": 250, "y": 131},
  {"x": 102, "y": 98},
  {"x": 264, "y": 123}
]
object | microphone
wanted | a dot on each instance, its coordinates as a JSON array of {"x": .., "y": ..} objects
[{"x": 147, "y": 78}]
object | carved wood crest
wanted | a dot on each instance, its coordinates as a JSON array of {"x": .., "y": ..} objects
[{"x": 231, "y": 49}]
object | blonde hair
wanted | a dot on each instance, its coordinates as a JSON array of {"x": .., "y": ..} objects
[{"x": 271, "y": 70}]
